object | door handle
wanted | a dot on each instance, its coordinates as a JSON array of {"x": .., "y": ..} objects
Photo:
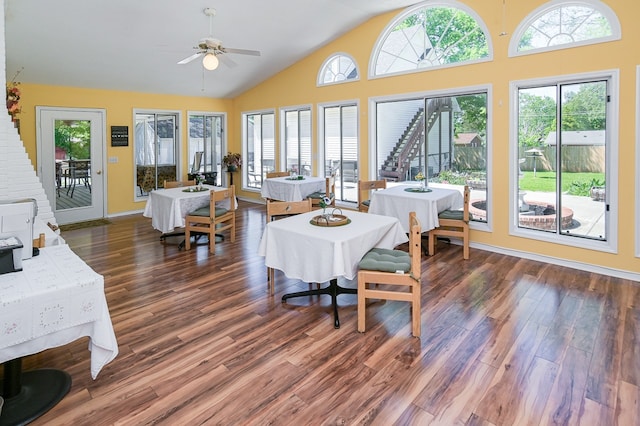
[{"x": 99, "y": 172}]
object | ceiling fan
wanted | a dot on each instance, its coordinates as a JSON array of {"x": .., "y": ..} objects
[{"x": 212, "y": 50}]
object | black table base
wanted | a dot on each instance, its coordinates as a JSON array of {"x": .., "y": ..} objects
[
  {"x": 333, "y": 290},
  {"x": 28, "y": 395}
]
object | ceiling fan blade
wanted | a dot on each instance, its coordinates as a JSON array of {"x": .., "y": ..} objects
[
  {"x": 190, "y": 58},
  {"x": 242, "y": 51},
  {"x": 227, "y": 60}
]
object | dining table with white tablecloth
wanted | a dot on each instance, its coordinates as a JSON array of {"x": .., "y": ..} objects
[
  {"x": 169, "y": 207},
  {"x": 292, "y": 188},
  {"x": 56, "y": 299},
  {"x": 318, "y": 254},
  {"x": 397, "y": 201}
]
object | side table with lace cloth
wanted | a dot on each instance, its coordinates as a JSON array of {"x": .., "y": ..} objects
[{"x": 54, "y": 300}]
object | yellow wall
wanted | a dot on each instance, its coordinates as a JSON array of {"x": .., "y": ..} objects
[
  {"x": 297, "y": 86},
  {"x": 119, "y": 108}
]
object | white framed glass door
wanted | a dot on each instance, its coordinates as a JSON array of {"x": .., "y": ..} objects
[{"x": 71, "y": 149}]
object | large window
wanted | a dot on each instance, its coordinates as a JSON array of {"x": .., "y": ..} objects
[
  {"x": 205, "y": 145},
  {"x": 430, "y": 35},
  {"x": 340, "y": 153},
  {"x": 445, "y": 137},
  {"x": 296, "y": 138},
  {"x": 565, "y": 149},
  {"x": 259, "y": 147},
  {"x": 559, "y": 25},
  {"x": 156, "y": 150}
]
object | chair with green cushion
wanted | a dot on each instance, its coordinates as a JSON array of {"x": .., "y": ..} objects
[
  {"x": 213, "y": 218},
  {"x": 367, "y": 186},
  {"x": 453, "y": 223},
  {"x": 399, "y": 270},
  {"x": 329, "y": 192}
]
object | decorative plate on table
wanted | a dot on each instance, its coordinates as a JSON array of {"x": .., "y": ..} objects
[
  {"x": 194, "y": 189},
  {"x": 295, "y": 178},
  {"x": 330, "y": 220},
  {"x": 417, "y": 189}
]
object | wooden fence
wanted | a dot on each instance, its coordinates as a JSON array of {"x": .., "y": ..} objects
[{"x": 575, "y": 158}]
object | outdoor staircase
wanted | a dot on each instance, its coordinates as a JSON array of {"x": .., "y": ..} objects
[{"x": 398, "y": 162}]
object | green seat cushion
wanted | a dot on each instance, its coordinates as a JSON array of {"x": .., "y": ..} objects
[
  {"x": 386, "y": 260},
  {"x": 320, "y": 195},
  {"x": 453, "y": 214},
  {"x": 204, "y": 211}
]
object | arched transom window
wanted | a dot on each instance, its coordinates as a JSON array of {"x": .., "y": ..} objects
[
  {"x": 564, "y": 24},
  {"x": 430, "y": 35},
  {"x": 338, "y": 68}
]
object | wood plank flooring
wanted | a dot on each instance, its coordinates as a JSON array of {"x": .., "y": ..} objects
[{"x": 505, "y": 341}]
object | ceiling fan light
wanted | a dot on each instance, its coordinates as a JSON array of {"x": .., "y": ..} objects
[{"x": 210, "y": 61}]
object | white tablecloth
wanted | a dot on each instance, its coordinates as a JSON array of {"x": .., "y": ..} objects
[
  {"x": 284, "y": 189},
  {"x": 54, "y": 300},
  {"x": 317, "y": 253},
  {"x": 168, "y": 208},
  {"x": 395, "y": 201}
]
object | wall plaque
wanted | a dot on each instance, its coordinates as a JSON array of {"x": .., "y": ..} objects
[{"x": 119, "y": 135}]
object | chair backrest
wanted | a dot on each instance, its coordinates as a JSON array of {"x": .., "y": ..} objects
[
  {"x": 286, "y": 208},
  {"x": 465, "y": 208},
  {"x": 366, "y": 186},
  {"x": 178, "y": 183},
  {"x": 197, "y": 162},
  {"x": 221, "y": 195},
  {"x": 79, "y": 168},
  {"x": 415, "y": 245},
  {"x": 331, "y": 186},
  {"x": 277, "y": 174}
]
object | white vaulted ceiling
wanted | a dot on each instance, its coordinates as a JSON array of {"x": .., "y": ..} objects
[{"x": 134, "y": 45}]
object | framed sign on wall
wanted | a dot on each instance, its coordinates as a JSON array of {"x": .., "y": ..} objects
[{"x": 119, "y": 135}]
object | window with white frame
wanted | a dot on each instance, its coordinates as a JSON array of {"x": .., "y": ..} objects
[
  {"x": 259, "y": 147},
  {"x": 338, "y": 68},
  {"x": 564, "y": 24},
  {"x": 340, "y": 148},
  {"x": 442, "y": 136},
  {"x": 566, "y": 152},
  {"x": 430, "y": 35},
  {"x": 296, "y": 138},
  {"x": 205, "y": 146}
]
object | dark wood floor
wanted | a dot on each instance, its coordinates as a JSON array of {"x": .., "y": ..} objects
[{"x": 505, "y": 341}]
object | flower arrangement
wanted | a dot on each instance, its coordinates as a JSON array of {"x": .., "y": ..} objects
[
  {"x": 13, "y": 99},
  {"x": 324, "y": 203},
  {"x": 419, "y": 177},
  {"x": 199, "y": 178},
  {"x": 232, "y": 161}
]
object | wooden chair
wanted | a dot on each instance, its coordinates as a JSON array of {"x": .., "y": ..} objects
[
  {"x": 330, "y": 193},
  {"x": 40, "y": 241},
  {"x": 211, "y": 219},
  {"x": 366, "y": 186},
  {"x": 399, "y": 270},
  {"x": 178, "y": 183},
  {"x": 277, "y": 174},
  {"x": 279, "y": 210},
  {"x": 453, "y": 223}
]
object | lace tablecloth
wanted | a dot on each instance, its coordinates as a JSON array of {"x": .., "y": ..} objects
[{"x": 54, "y": 300}]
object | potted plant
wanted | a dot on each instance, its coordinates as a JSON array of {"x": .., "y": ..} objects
[{"x": 232, "y": 161}]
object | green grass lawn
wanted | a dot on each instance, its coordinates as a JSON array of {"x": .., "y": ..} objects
[{"x": 546, "y": 182}]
